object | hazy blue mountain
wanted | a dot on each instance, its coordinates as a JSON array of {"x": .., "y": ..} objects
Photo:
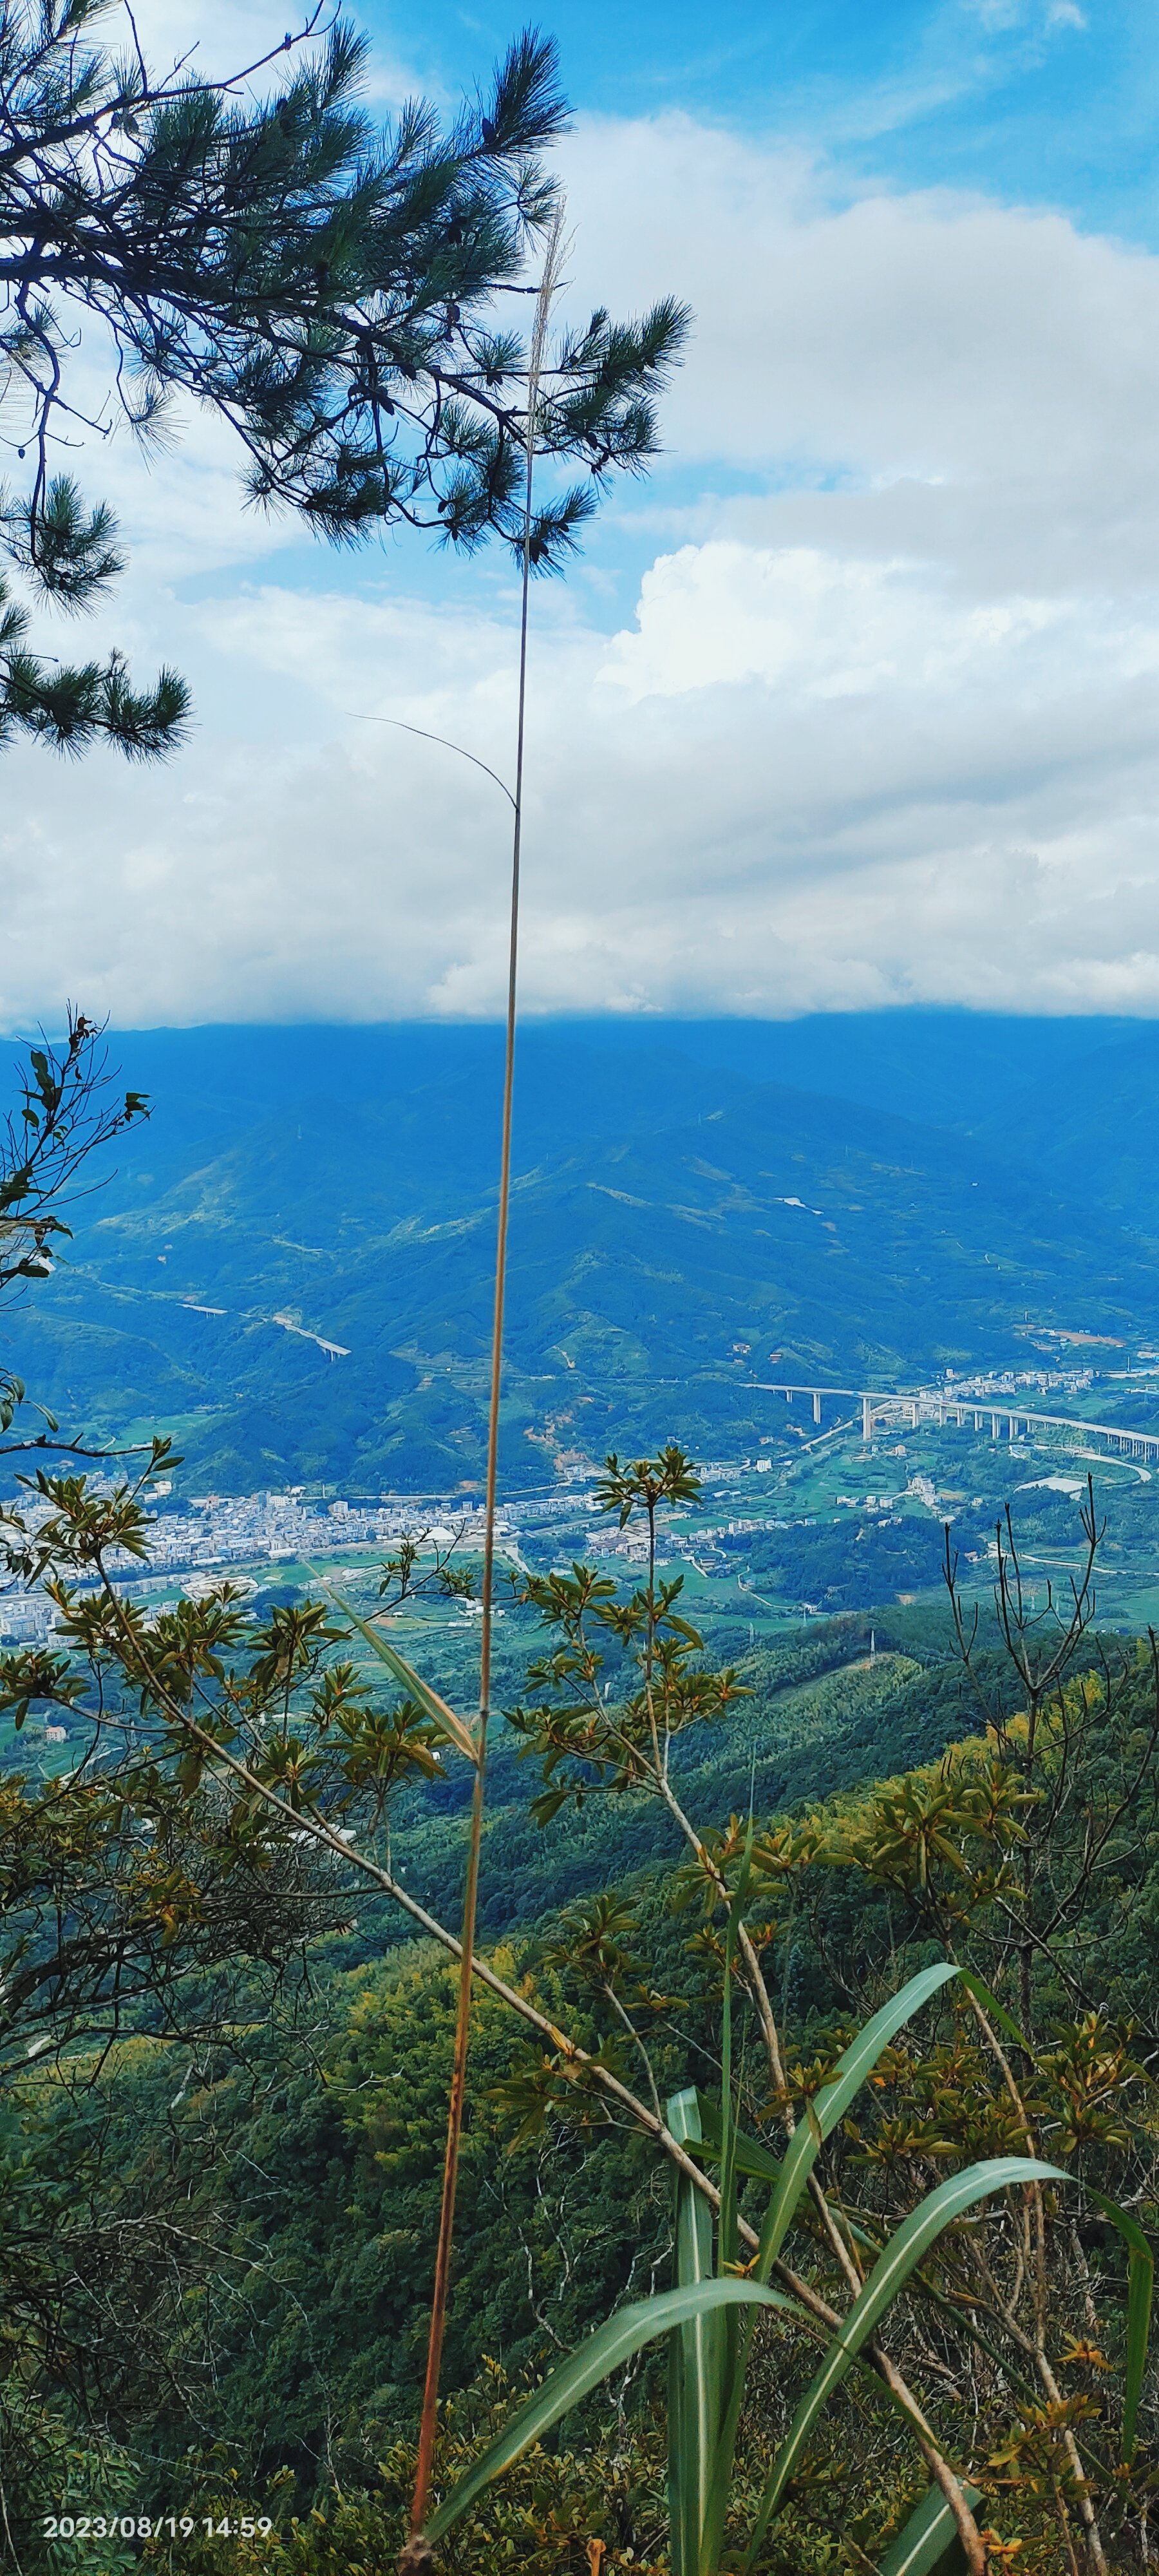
[
  {"x": 1096, "y": 1135},
  {"x": 949, "y": 1068},
  {"x": 678, "y": 1219}
]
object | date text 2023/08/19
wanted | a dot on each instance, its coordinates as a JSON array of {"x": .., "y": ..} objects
[{"x": 160, "y": 2526}]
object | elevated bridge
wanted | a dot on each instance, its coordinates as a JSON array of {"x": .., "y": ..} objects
[{"x": 1004, "y": 1420}]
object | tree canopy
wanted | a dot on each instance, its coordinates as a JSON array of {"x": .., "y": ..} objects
[{"x": 345, "y": 295}]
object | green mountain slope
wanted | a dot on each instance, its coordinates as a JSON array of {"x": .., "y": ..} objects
[
  {"x": 1097, "y": 1134},
  {"x": 679, "y": 1233}
]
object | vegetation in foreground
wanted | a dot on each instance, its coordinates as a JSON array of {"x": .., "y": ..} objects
[{"x": 223, "y": 2153}]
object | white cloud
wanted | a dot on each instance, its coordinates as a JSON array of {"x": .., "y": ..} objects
[
  {"x": 819, "y": 625},
  {"x": 957, "y": 369},
  {"x": 885, "y": 723},
  {"x": 223, "y": 37}
]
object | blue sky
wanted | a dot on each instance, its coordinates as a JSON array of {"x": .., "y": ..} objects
[
  {"x": 1032, "y": 102},
  {"x": 854, "y": 702},
  {"x": 1043, "y": 103}
]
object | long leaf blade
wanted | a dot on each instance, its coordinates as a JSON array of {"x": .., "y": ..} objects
[
  {"x": 905, "y": 2250},
  {"x": 727, "y": 2223},
  {"x": 612, "y": 2344},
  {"x": 929, "y": 2544},
  {"x": 429, "y": 1701},
  {"x": 696, "y": 2362},
  {"x": 1140, "y": 2292},
  {"x": 982, "y": 1994},
  {"x": 755, "y": 2159},
  {"x": 734, "y": 2342},
  {"x": 831, "y": 2104},
  {"x": 751, "y": 2156}
]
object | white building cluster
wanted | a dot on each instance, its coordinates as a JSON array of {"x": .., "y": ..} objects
[
  {"x": 1074, "y": 1381},
  {"x": 216, "y": 1533}
]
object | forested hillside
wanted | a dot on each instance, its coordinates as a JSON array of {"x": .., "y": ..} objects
[
  {"x": 222, "y": 2178},
  {"x": 290, "y": 1269}
]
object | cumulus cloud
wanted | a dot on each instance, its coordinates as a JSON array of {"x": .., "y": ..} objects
[
  {"x": 928, "y": 370},
  {"x": 884, "y": 724}
]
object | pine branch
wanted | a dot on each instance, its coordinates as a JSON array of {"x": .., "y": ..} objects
[{"x": 331, "y": 289}]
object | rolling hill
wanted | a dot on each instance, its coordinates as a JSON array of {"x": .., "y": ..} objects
[{"x": 291, "y": 1267}]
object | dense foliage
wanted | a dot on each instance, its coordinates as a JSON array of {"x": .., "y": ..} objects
[{"x": 264, "y": 2132}]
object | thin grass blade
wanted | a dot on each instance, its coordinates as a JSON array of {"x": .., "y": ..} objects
[
  {"x": 696, "y": 2362},
  {"x": 606, "y": 2350},
  {"x": 735, "y": 2343},
  {"x": 929, "y": 2544},
  {"x": 831, "y": 2105},
  {"x": 996, "y": 2012},
  {"x": 749, "y": 2154},
  {"x": 429, "y": 1701},
  {"x": 1140, "y": 2292},
  {"x": 728, "y": 2232},
  {"x": 755, "y": 2159},
  {"x": 905, "y": 2250}
]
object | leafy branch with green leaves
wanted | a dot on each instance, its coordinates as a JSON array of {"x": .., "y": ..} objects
[
  {"x": 280, "y": 1730},
  {"x": 68, "y": 1109}
]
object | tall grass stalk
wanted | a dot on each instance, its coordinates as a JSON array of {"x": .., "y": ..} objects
[{"x": 549, "y": 285}]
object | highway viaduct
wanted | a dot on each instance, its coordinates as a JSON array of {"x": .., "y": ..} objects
[{"x": 882, "y": 1412}]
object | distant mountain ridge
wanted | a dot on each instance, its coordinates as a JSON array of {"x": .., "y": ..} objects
[
  {"x": 681, "y": 1228},
  {"x": 1098, "y": 1137}
]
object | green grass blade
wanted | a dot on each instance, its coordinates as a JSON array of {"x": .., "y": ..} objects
[
  {"x": 728, "y": 2232},
  {"x": 749, "y": 2155},
  {"x": 905, "y": 2250},
  {"x": 929, "y": 2544},
  {"x": 436, "y": 1709},
  {"x": 832, "y": 2103},
  {"x": 995, "y": 2012},
  {"x": 734, "y": 2344},
  {"x": 606, "y": 2350},
  {"x": 696, "y": 2361},
  {"x": 1140, "y": 2291},
  {"x": 755, "y": 2159}
]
